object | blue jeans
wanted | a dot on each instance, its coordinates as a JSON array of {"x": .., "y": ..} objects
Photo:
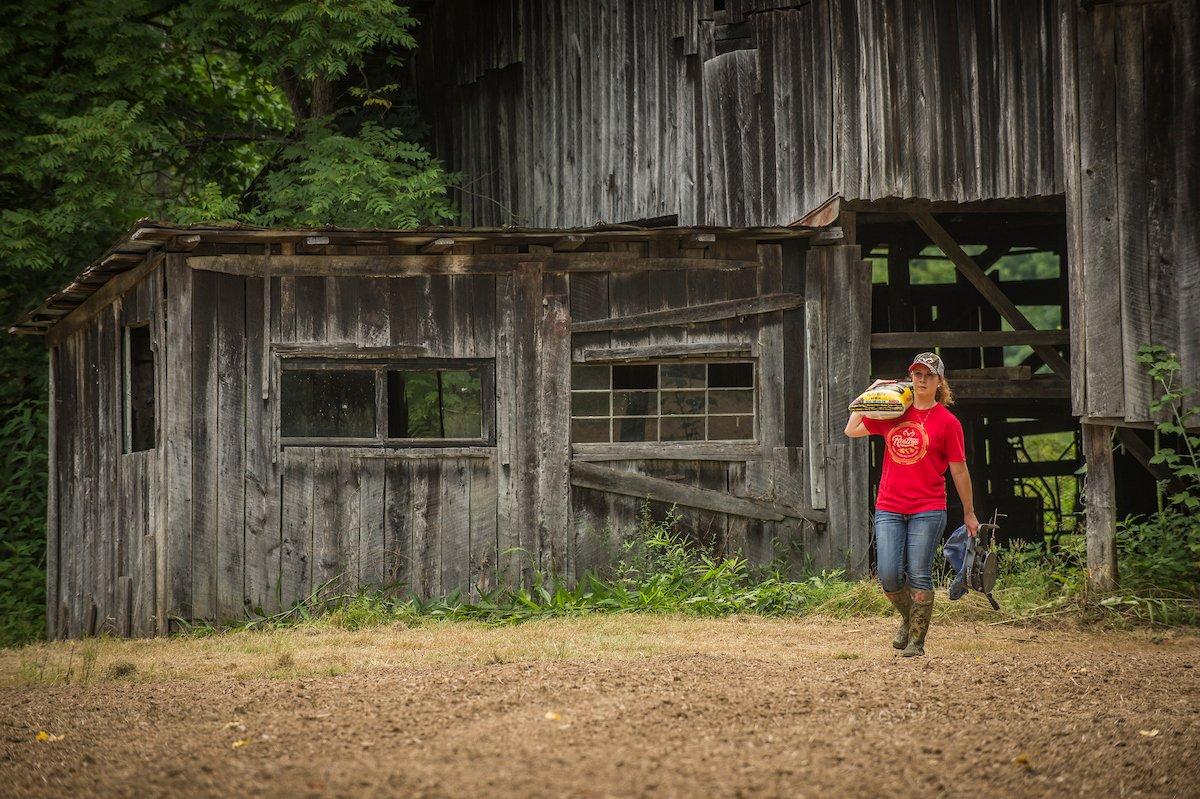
[{"x": 905, "y": 543}]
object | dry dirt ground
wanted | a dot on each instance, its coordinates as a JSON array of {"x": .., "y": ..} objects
[{"x": 612, "y": 706}]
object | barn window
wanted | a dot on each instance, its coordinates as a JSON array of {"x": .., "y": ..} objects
[
  {"x": 386, "y": 402},
  {"x": 676, "y": 401},
  {"x": 139, "y": 388}
]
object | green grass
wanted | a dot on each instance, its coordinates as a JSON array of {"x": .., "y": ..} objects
[{"x": 660, "y": 571}]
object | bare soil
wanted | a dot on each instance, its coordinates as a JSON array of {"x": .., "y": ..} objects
[{"x": 621, "y": 706}]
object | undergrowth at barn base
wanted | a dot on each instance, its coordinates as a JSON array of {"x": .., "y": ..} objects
[{"x": 662, "y": 571}]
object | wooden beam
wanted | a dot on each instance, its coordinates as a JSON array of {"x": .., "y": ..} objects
[
  {"x": 568, "y": 243},
  {"x": 991, "y": 373},
  {"x": 184, "y": 243},
  {"x": 698, "y": 241},
  {"x": 101, "y": 298},
  {"x": 668, "y": 450},
  {"x": 438, "y": 246},
  {"x": 988, "y": 288},
  {"x": 966, "y": 338},
  {"x": 613, "y": 481},
  {"x": 1142, "y": 453},
  {"x": 708, "y": 312},
  {"x": 1100, "y": 509},
  {"x": 1039, "y": 387},
  {"x": 349, "y": 349},
  {"x": 832, "y": 235},
  {"x": 430, "y": 264},
  {"x": 316, "y": 240},
  {"x": 613, "y": 354}
]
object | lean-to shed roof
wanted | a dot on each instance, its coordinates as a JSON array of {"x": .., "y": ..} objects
[{"x": 150, "y": 237}]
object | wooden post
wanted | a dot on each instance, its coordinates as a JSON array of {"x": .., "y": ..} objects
[{"x": 1100, "y": 509}]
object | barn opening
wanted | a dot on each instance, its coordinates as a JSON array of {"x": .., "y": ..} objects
[{"x": 1006, "y": 349}]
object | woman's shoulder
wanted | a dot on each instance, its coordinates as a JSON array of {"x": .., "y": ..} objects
[{"x": 947, "y": 415}]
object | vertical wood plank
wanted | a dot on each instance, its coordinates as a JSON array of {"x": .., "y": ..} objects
[
  {"x": 455, "y": 531},
  {"x": 482, "y": 574},
  {"x": 53, "y": 527},
  {"x": 177, "y": 408},
  {"x": 262, "y": 533},
  {"x": 372, "y": 556},
  {"x": 1132, "y": 191},
  {"x": 298, "y": 516},
  {"x": 398, "y": 502},
  {"x": 1100, "y": 509},
  {"x": 508, "y": 560},
  {"x": 557, "y": 548},
  {"x": 205, "y": 446},
  {"x": 1101, "y": 256},
  {"x": 231, "y": 445},
  {"x": 815, "y": 371}
]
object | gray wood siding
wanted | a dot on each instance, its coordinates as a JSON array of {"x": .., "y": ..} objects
[
  {"x": 1131, "y": 115},
  {"x": 221, "y": 521},
  {"x": 107, "y": 523},
  {"x": 564, "y": 113}
]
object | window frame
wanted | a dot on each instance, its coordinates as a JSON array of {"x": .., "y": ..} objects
[
  {"x": 755, "y": 388},
  {"x": 380, "y": 366},
  {"x": 127, "y": 443}
]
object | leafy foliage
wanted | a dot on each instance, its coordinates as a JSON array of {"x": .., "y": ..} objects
[{"x": 214, "y": 110}]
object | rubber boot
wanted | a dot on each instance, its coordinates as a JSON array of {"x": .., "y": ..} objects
[
  {"x": 918, "y": 622},
  {"x": 902, "y": 602}
]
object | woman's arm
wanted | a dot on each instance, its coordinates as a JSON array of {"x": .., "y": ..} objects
[
  {"x": 855, "y": 427},
  {"x": 962, "y": 484}
]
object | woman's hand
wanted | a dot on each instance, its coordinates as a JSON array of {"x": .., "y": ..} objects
[{"x": 971, "y": 523}]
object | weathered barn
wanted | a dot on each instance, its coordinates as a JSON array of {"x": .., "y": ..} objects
[
  {"x": 242, "y": 416},
  {"x": 1068, "y": 127}
]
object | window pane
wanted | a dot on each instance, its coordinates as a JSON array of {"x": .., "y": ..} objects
[
  {"x": 683, "y": 428},
  {"x": 731, "y": 375},
  {"x": 462, "y": 409},
  {"x": 414, "y": 408},
  {"x": 643, "y": 376},
  {"x": 585, "y": 431},
  {"x": 589, "y": 376},
  {"x": 685, "y": 402},
  {"x": 635, "y": 403},
  {"x": 731, "y": 401},
  {"x": 589, "y": 403},
  {"x": 724, "y": 428},
  {"x": 432, "y": 403},
  {"x": 328, "y": 403},
  {"x": 683, "y": 375},
  {"x": 635, "y": 429}
]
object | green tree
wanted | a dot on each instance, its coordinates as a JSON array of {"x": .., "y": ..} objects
[{"x": 212, "y": 110}]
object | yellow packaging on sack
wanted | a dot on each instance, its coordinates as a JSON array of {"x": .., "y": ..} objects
[{"x": 885, "y": 401}]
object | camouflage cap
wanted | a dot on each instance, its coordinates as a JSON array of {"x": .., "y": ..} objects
[{"x": 931, "y": 361}]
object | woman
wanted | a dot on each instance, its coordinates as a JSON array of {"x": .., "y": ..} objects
[{"x": 910, "y": 508}]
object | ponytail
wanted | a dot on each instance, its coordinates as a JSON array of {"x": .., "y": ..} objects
[{"x": 944, "y": 394}]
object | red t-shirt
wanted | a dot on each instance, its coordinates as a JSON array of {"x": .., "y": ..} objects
[{"x": 920, "y": 445}]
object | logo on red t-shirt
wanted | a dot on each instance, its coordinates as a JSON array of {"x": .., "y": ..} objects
[{"x": 907, "y": 443}]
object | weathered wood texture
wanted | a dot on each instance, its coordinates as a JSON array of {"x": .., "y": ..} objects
[
  {"x": 1101, "y": 508},
  {"x": 220, "y": 522},
  {"x": 1130, "y": 153},
  {"x": 837, "y": 347},
  {"x": 561, "y": 114},
  {"x": 106, "y": 526}
]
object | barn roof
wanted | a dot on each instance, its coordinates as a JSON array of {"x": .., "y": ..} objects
[{"x": 148, "y": 237}]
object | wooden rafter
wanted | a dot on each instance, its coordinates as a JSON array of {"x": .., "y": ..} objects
[
  {"x": 614, "y": 481},
  {"x": 708, "y": 312},
  {"x": 991, "y": 292}
]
